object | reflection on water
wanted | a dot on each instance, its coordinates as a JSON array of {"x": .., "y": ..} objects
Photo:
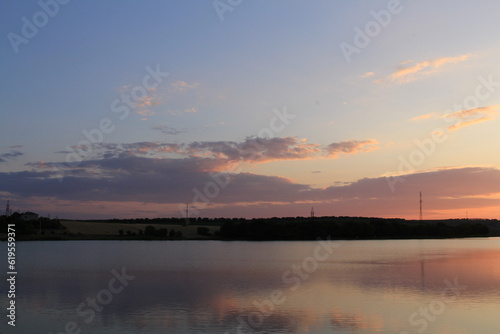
[{"x": 403, "y": 286}]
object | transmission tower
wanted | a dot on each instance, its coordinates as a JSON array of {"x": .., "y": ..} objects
[
  {"x": 420, "y": 205},
  {"x": 312, "y": 212},
  {"x": 8, "y": 211},
  {"x": 187, "y": 213}
]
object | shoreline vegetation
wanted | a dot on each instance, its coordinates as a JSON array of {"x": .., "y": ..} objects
[{"x": 257, "y": 229}]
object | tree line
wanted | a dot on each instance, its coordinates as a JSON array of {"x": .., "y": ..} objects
[{"x": 372, "y": 228}]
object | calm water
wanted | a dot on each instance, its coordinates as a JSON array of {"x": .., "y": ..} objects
[{"x": 263, "y": 287}]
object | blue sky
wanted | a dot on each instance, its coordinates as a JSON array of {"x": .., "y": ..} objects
[{"x": 355, "y": 122}]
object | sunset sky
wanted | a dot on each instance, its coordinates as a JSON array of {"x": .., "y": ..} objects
[{"x": 123, "y": 109}]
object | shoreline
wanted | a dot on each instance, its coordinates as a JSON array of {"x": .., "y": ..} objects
[{"x": 139, "y": 238}]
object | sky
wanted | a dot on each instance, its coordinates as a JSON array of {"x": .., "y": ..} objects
[{"x": 128, "y": 109}]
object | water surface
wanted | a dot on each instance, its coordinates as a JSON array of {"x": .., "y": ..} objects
[{"x": 398, "y": 286}]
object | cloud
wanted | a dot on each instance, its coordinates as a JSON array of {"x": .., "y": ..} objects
[
  {"x": 159, "y": 172},
  {"x": 368, "y": 74},
  {"x": 467, "y": 123},
  {"x": 141, "y": 180},
  {"x": 254, "y": 149},
  {"x": 9, "y": 156},
  {"x": 181, "y": 111},
  {"x": 168, "y": 130},
  {"x": 427, "y": 116},
  {"x": 463, "y": 118},
  {"x": 468, "y": 117},
  {"x": 144, "y": 101},
  {"x": 411, "y": 71},
  {"x": 181, "y": 86},
  {"x": 351, "y": 146},
  {"x": 471, "y": 116},
  {"x": 155, "y": 149},
  {"x": 144, "y": 104},
  {"x": 261, "y": 150}
]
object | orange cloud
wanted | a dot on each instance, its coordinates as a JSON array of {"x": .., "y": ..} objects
[
  {"x": 466, "y": 114},
  {"x": 368, "y": 74},
  {"x": 467, "y": 123},
  {"x": 427, "y": 116},
  {"x": 463, "y": 118},
  {"x": 412, "y": 71},
  {"x": 471, "y": 116}
]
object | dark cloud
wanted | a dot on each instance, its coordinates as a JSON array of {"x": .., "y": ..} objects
[
  {"x": 144, "y": 180},
  {"x": 351, "y": 146},
  {"x": 254, "y": 149},
  {"x": 202, "y": 179},
  {"x": 250, "y": 150},
  {"x": 11, "y": 155},
  {"x": 374, "y": 197}
]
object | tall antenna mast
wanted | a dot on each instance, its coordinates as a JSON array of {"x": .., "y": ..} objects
[
  {"x": 312, "y": 212},
  {"x": 7, "y": 209},
  {"x": 420, "y": 205},
  {"x": 187, "y": 212}
]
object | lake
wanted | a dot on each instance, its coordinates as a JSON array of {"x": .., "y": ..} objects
[{"x": 385, "y": 286}]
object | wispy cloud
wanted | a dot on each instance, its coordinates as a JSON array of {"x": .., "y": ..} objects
[
  {"x": 410, "y": 70},
  {"x": 175, "y": 94},
  {"x": 472, "y": 113},
  {"x": 168, "y": 130},
  {"x": 367, "y": 74},
  {"x": 427, "y": 116},
  {"x": 468, "y": 117},
  {"x": 463, "y": 118},
  {"x": 181, "y": 86}
]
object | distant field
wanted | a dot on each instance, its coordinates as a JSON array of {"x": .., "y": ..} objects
[{"x": 101, "y": 228}]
